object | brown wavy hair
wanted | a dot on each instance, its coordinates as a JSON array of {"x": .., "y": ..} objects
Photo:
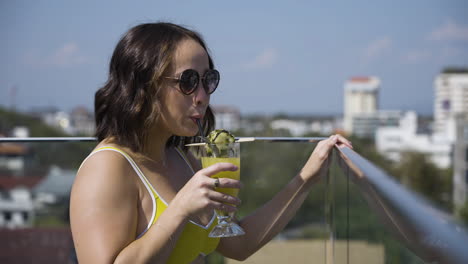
[{"x": 128, "y": 105}]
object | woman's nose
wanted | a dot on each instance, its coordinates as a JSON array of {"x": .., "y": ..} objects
[{"x": 201, "y": 97}]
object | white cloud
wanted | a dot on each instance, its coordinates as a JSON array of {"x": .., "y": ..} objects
[
  {"x": 65, "y": 56},
  {"x": 377, "y": 48},
  {"x": 450, "y": 31},
  {"x": 265, "y": 59},
  {"x": 417, "y": 56}
]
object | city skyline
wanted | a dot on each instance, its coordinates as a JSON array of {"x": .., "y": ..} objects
[{"x": 282, "y": 58}]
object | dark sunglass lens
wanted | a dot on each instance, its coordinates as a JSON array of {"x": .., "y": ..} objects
[
  {"x": 211, "y": 81},
  {"x": 189, "y": 81}
]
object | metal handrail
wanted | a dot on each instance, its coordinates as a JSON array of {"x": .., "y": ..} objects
[
  {"x": 46, "y": 139},
  {"x": 428, "y": 232},
  {"x": 88, "y": 139}
]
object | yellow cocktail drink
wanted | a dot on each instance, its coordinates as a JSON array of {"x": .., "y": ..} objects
[{"x": 208, "y": 161}]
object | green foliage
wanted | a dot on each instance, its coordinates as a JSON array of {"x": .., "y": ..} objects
[
  {"x": 457, "y": 70},
  {"x": 420, "y": 175},
  {"x": 266, "y": 168},
  {"x": 11, "y": 119}
]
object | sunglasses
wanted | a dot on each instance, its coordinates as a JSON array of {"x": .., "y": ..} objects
[{"x": 189, "y": 79}]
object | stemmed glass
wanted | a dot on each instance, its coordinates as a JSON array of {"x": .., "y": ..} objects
[{"x": 214, "y": 153}]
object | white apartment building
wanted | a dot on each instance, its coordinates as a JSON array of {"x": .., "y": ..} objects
[
  {"x": 393, "y": 141},
  {"x": 451, "y": 98},
  {"x": 361, "y": 97},
  {"x": 16, "y": 208}
]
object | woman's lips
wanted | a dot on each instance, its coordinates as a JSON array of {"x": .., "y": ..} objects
[{"x": 194, "y": 119}]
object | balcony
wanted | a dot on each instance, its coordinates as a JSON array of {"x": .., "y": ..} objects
[{"x": 357, "y": 214}]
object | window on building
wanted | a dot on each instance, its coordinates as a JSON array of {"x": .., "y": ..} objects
[
  {"x": 446, "y": 104},
  {"x": 7, "y": 215},
  {"x": 25, "y": 215}
]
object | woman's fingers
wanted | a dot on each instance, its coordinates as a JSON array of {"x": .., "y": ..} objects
[
  {"x": 226, "y": 183},
  {"x": 342, "y": 141},
  {"x": 338, "y": 140},
  {"x": 224, "y": 198}
]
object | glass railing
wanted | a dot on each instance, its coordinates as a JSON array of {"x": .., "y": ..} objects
[
  {"x": 411, "y": 229},
  {"x": 358, "y": 214}
]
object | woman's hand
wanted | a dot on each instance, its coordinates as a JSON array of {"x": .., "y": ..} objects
[
  {"x": 198, "y": 194},
  {"x": 319, "y": 160}
]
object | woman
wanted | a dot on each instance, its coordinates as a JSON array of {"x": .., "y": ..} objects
[{"x": 138, "y": 197}]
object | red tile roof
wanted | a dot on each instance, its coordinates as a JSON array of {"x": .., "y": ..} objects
[
  {"x": 360, "y": 79},
  {"x": 13, "y": 149},
  {"x": 11, "y": 182}
]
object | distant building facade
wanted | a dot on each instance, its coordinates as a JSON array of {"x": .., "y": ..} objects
[
  {"x": 227, "y": 117},
  {"x": 393, "y": 141},
  {"x": 360, "y": 98},
  {"x": 323, "y": 126},
  {"x": 451, "y": 123},
  {"x": 451, "y": 98},
  {"x": 14, "y": 157},
  {"x": 16, "y": 208},
  {"x": 366, "y": 124},
  {"x": 294, "y": 127},
  {"x": 79, "y": 121},
  {"x": 82, "y": 121}
]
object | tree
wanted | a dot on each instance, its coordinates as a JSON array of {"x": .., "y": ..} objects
[{"x": 419, "y": 174}]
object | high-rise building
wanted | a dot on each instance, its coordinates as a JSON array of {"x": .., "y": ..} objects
[
  {"x": 360, "y": 98},
  {"x": 451, "y": 99}
]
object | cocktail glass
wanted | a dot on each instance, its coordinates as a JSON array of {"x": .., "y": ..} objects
[{"x": 214, "y": 153}]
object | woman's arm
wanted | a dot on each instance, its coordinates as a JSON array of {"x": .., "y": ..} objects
[
  {"x": 266, "y": 222},
  {"x": 104, "y": 212}
]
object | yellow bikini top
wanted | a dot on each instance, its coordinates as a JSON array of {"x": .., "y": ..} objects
[{"x": 194, "y": 240}]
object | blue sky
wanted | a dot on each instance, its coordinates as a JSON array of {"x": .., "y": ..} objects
[{"x": 274, "y": 56}]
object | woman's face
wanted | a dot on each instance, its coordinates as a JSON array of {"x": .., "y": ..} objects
[{"x": 179, "y": 111}]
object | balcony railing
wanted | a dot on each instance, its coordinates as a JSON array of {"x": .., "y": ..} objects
[
  {"x": 430, "y": 233},
  {"x": 412, "y": 224}
]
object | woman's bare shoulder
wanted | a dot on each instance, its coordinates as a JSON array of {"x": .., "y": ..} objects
[
  {"x": 105, "y": 162},
  {"x": 102, "y": 200},
  {"x": 105, "y": 170}
]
